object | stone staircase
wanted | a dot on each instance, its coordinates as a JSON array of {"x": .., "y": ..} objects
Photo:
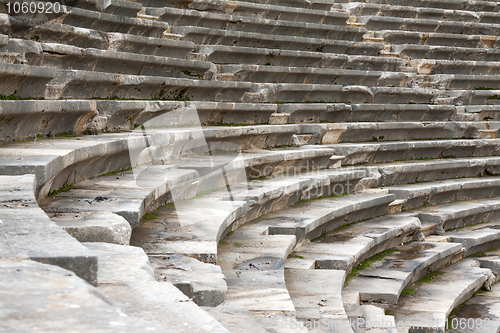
[{"x": 250, "y": 166}]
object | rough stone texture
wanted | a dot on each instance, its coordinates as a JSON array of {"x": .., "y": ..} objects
[
  {"x": 480, "y": 238},
  {"x": 316, "y": 295},
  {"x": 103, "y": 227},
  {"x": 203, "y": 283},
  {"x": 194, "y": 227},
  {"x": 459, "y": 214},
  {"x": 127, "y": 278},
  {"x": 432, "y": 193},
  {"x": 41, "y": 297},
  {"x": 127, "y": 196},
  {"x": 384, "y": 280},
  {"x": 429, "y": 307},
  {"x": 345, "y": 248},
  {"x": 28, "y": 233}
]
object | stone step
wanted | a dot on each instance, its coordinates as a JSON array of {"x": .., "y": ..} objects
[
  {"x": 24, "y": 81},
  {"x": 66, "y": 57},
  {"x": 438, "y": 39},
  {"x": 394, "y": 131},
  {"x": 116, "y": 7},
  {"x": 127, "y": 278},
  {"x": 477, "y": 238},
  {"x": 186, "y": 17},
  {"x": 485, "y": 112},
  {"x": 262, "y": 163},
  {"x": 284, "y": 74},
  {"x": 225, "y": 54},
  {"x": 367, "y": 318},
  {"x": 456, "y": 66},
  {"x": 405, "y": 11},
  {"x": 127, "y": 115},
  {"x": 208, "y": 36},
  {"x": 428, "y": 307},
  {"x": 85, "y": 84},
  {"x": 345, "y": 248},
  {"x": 439, "y": 192},
  {"x": 423, "y": 171},
  {"x": 79, "y": 305},
  {"x": 410, "y": 51},
  {"x": 316, "y": 295},
  {"x": 340, "y": 113},
  {"x": 459, "y": 214},
  {"x": 126, "y": 195},
  {"x": 69, "y": 160},
  {"x": 490, "y": 259},
  {"x": 203, "y": 283},
  {"x": 253, "y": 266},
  {"x": 52, "y": 32},
  {"x": 413, "y": 150},
  {"x": 328, "y": 93},
  {"x": 83, "y": 18},
  {"x": 377, "y": 23},
  {"x": 24, "y": 119},
  {"x": 488, "y": 6},
  {"x": 194, "y": 227},
  {"x": 260, "y": 10},
  {"x": 236, "y": 319},
  {"x": 311, "y": 219},
  {"x": 479, "y": 314},
  {"x": 103, "y": 227},
  {"x": 300, "y": 4},
  {"x": 383, "y": 281},
  {"x": 23, "y": 226},
  {"x": 253, "y": 262}
]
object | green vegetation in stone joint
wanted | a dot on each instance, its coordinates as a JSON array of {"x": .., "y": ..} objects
[
  {"x": 367, "y": 262},
  {"x": 65, "y": 188}
]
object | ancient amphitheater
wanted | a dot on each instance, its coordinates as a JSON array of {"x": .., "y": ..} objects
[{"x": 281, "y": 166}]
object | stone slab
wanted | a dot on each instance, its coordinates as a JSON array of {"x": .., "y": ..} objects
[
  {"x": 53, "y": 299},
  {"x": 24, "y": 225}
]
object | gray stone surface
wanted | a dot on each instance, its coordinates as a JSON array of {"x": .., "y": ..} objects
[
  {"x": 267, "y": 11},
  {"x": 83, "y": 18},
  {"x": 236, "y": 319},
  {"x": 103, "y": 227},
  {"x": 86, "y": 84},
  {"x": 187, "y": 17},
  {"x": 438, "y": 192},
  {"x": 311, "y": 219},
  {"x": 411, "y": 150},
  {"x": 23, "y": 120},
  {"x": 203, "y": 283},
  {"x": 209, "y": 36},
  {"x": 44, "y": 297},
  {"x": 66, "y": 57},
  {"x": 479, "y": 238},
  {"x": 126, "y": 194},
  {"x": 459, "y": 214},
  {"x": 28, "y": 233},
  {"x": 384, "y": 280},
  {"x": 24, "y": 81},
  {"x": 429, "y": 307},
  {"x": 127, "y": 278},
  {"x": 347, "y": 247},
  {"x": 194, "y": 227},
  {"x": 423, "y": 171},
  {"x": 225, "y": 54}
]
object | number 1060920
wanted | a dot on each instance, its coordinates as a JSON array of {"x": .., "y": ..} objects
[{"x": 25, "y": 7}]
